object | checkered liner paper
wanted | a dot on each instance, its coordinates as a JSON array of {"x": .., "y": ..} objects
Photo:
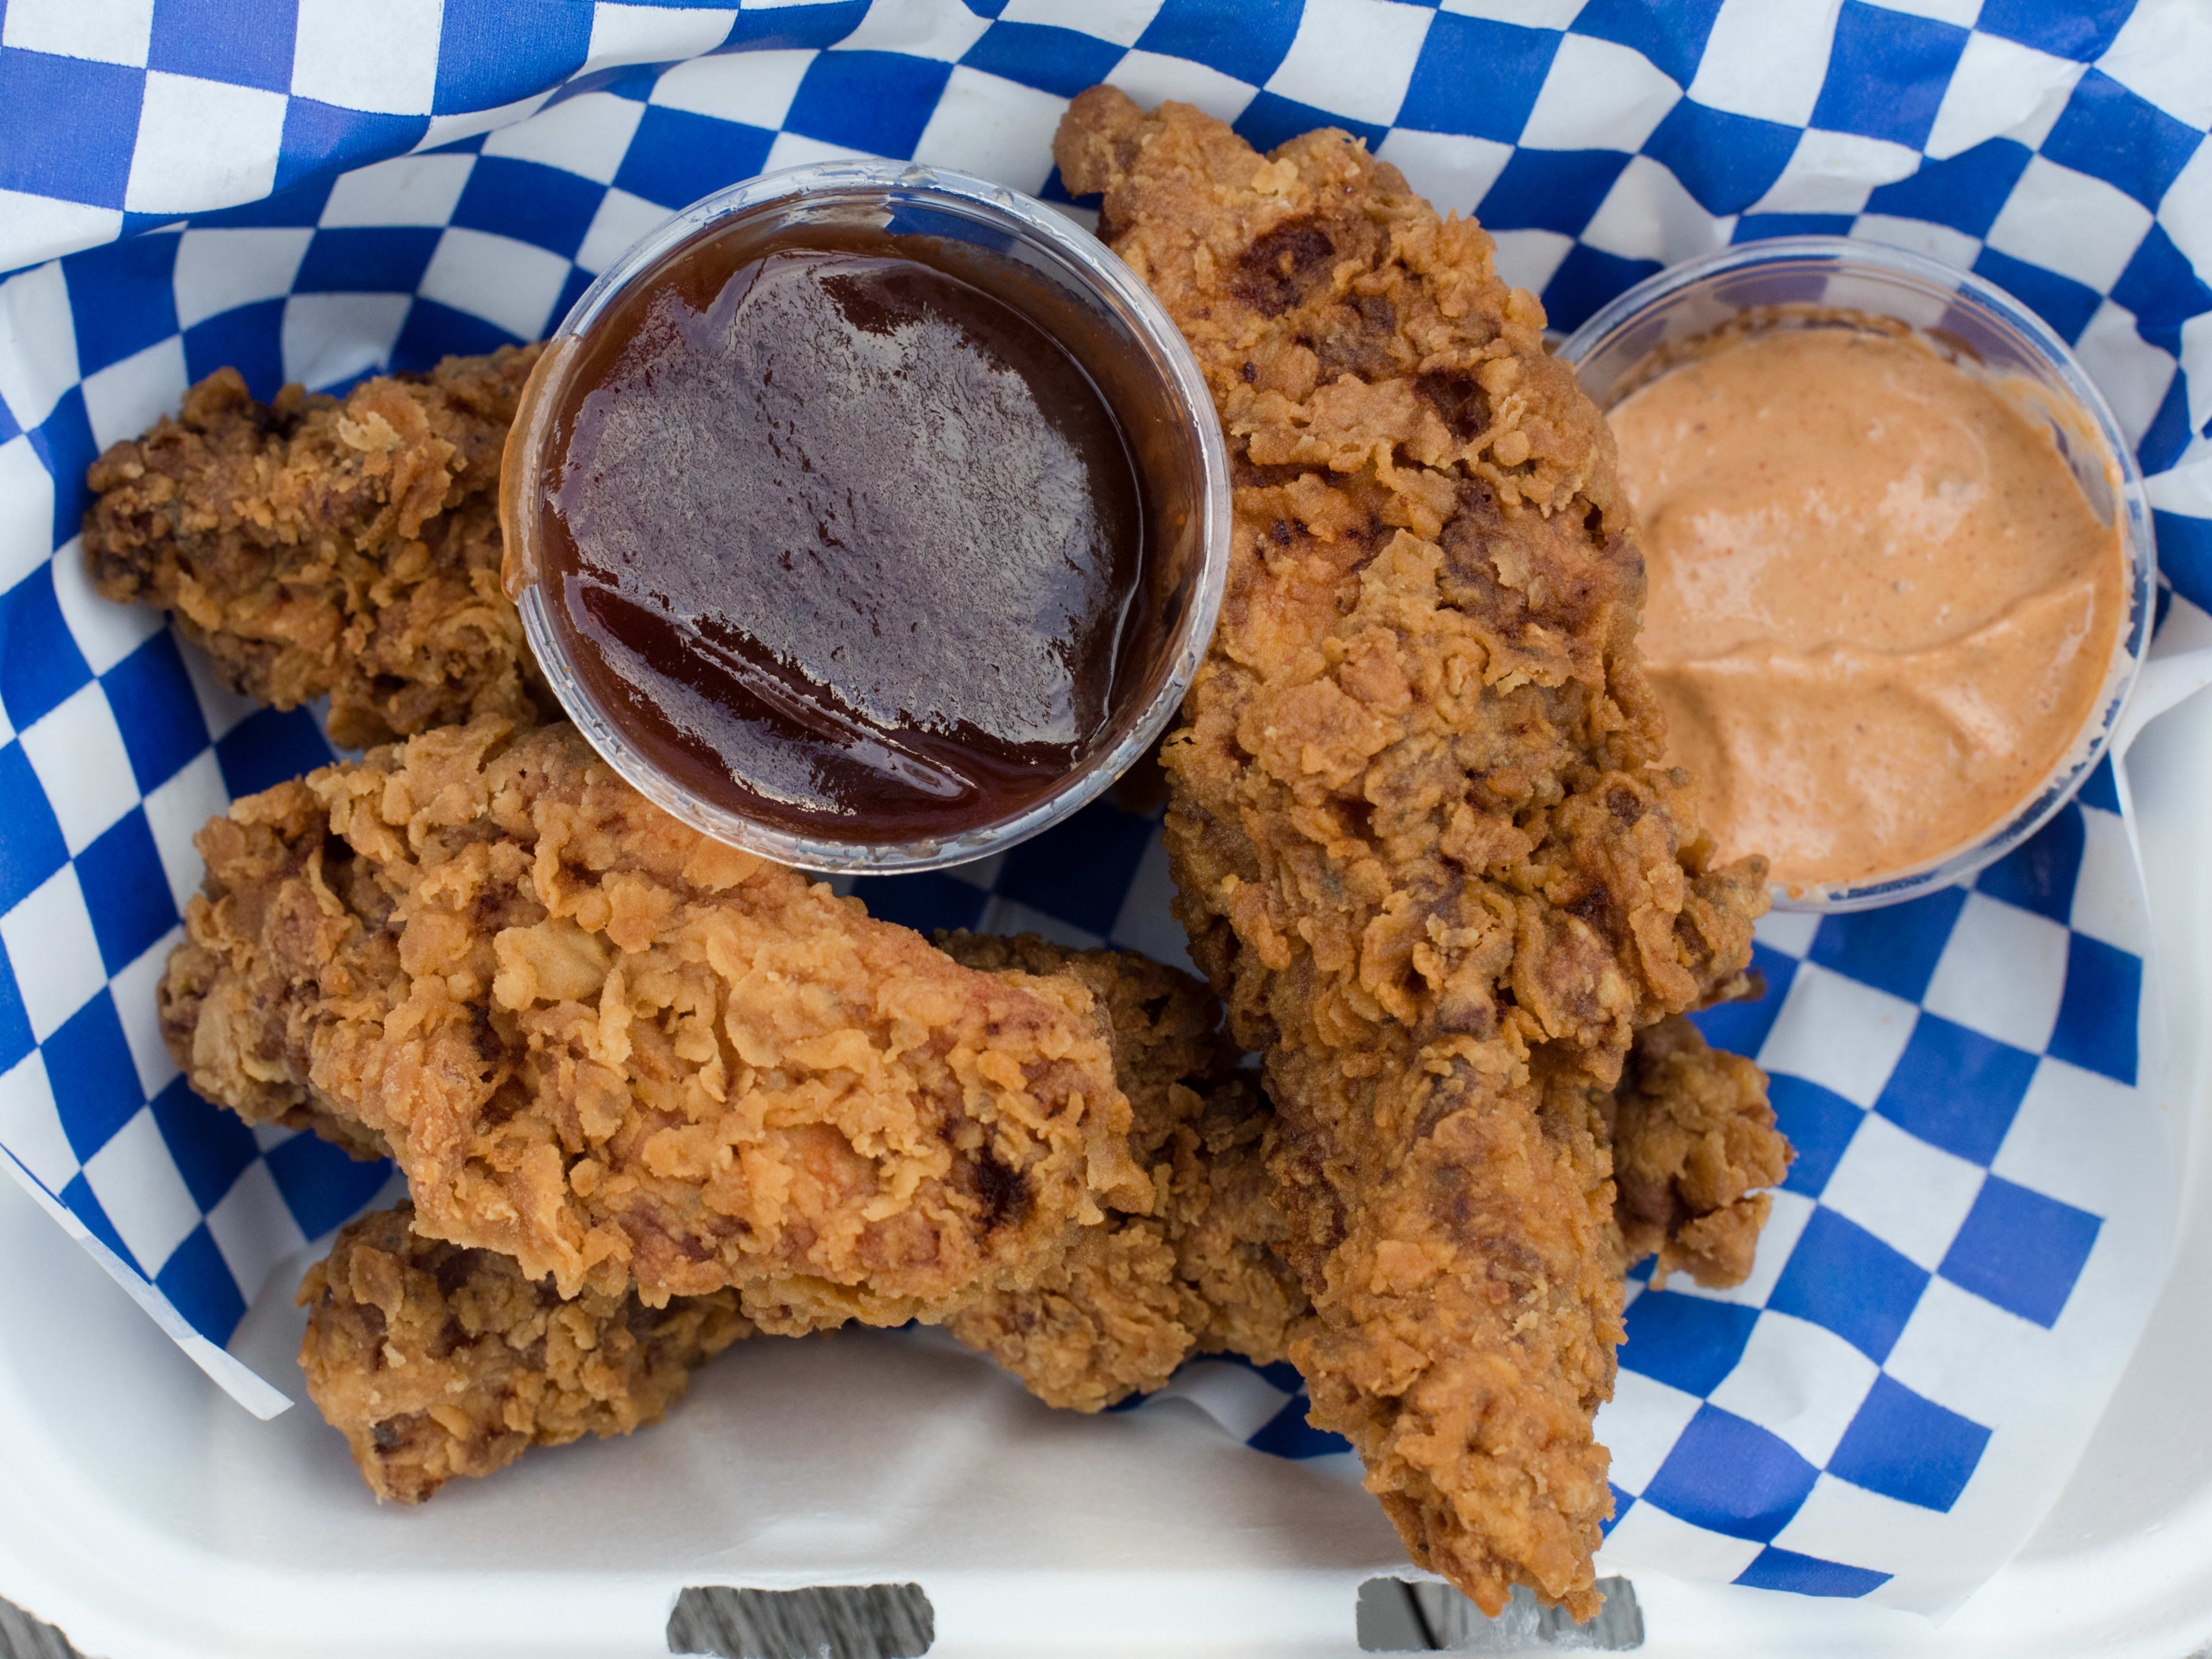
[{"x": 1964, "y": 1253}]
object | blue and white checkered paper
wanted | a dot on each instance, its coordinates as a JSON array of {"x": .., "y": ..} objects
[{"x": 1962, "y": 1257}]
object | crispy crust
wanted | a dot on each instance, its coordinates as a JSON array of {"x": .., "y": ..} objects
[
  {"x": 436, "y": 1361},
  {"x": 1694, "y": 1140},
  {"x": 319, "y": 548},
  {"x": 1192, "y": 1271},
  {"x": 1422, "y": 840},
  {"x": 621, "y": 1052}
]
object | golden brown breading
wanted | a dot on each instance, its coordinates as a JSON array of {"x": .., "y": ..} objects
[
  {"x": 1693, "y": 1139},
  {"x": 1227, "y": 1229},
  {"x": 436, "y": 1361},
  {"x": 1688, "y": 1131},
  {"x": 315, "y": 547},
  {"x": 623, "y": 1053},
  {"x": 1134, "y": 1298},
  {"x": 1166, "y": 1025},
  {"x": 1192, "y": 1270},
  {"x": 1422, "y": 839},
  {"x": 1688, "y": 1137}
]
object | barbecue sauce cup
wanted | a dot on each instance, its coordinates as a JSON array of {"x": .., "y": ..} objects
[{"x": 867, "y": 516}]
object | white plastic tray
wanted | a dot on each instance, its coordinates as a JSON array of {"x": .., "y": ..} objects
[{"x": 149, "y": 1517}]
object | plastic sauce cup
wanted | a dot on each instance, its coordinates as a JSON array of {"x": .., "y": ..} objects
[
  {"x": 1166, "y": 420},
  {"x": 1974, "y": 324}
]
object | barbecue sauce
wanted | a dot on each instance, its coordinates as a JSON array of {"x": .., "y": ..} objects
[{"x": 841, "y": 537}]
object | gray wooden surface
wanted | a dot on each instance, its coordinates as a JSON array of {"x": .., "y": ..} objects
[
  {"x": 22, "y": 1636},
  {"x": 894, "y": 1621},
  {"x": 874, "y": 1621},
  {"x": 881, "y": 1621}
]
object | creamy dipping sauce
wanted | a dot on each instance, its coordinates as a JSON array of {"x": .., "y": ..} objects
[{"x": 1880, "y": 609}]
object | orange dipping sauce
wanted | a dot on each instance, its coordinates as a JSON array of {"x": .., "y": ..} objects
[{"x": 1881, "y": 608}]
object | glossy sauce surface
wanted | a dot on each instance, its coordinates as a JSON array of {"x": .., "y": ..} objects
[
  {"x": 840, "y": 539},
  {"x": 1881, "y": 608}
]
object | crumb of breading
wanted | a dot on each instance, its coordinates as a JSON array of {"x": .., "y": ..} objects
[
  {"x": 436, "y": 1361},
  {"x": 1694, "y": 1141},
  {"x": 315, "y": 547}
]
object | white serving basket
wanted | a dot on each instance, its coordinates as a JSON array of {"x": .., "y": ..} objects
[
  {"x": 150, "y": 1518},
  {"x": 416, "y": 179}
]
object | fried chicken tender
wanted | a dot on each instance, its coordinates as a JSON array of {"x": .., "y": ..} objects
[
  {"x": 436, "y": 1361},
  {"x": 1693, "y": 1139},
  {"x": 1688, "y": 1134},
  {"x": 315, "y": 547},
  {"x": 623, "y": 1054},
  {"x": 1423, "y": 839},
  {"x": 1194, "y": 1270}
]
